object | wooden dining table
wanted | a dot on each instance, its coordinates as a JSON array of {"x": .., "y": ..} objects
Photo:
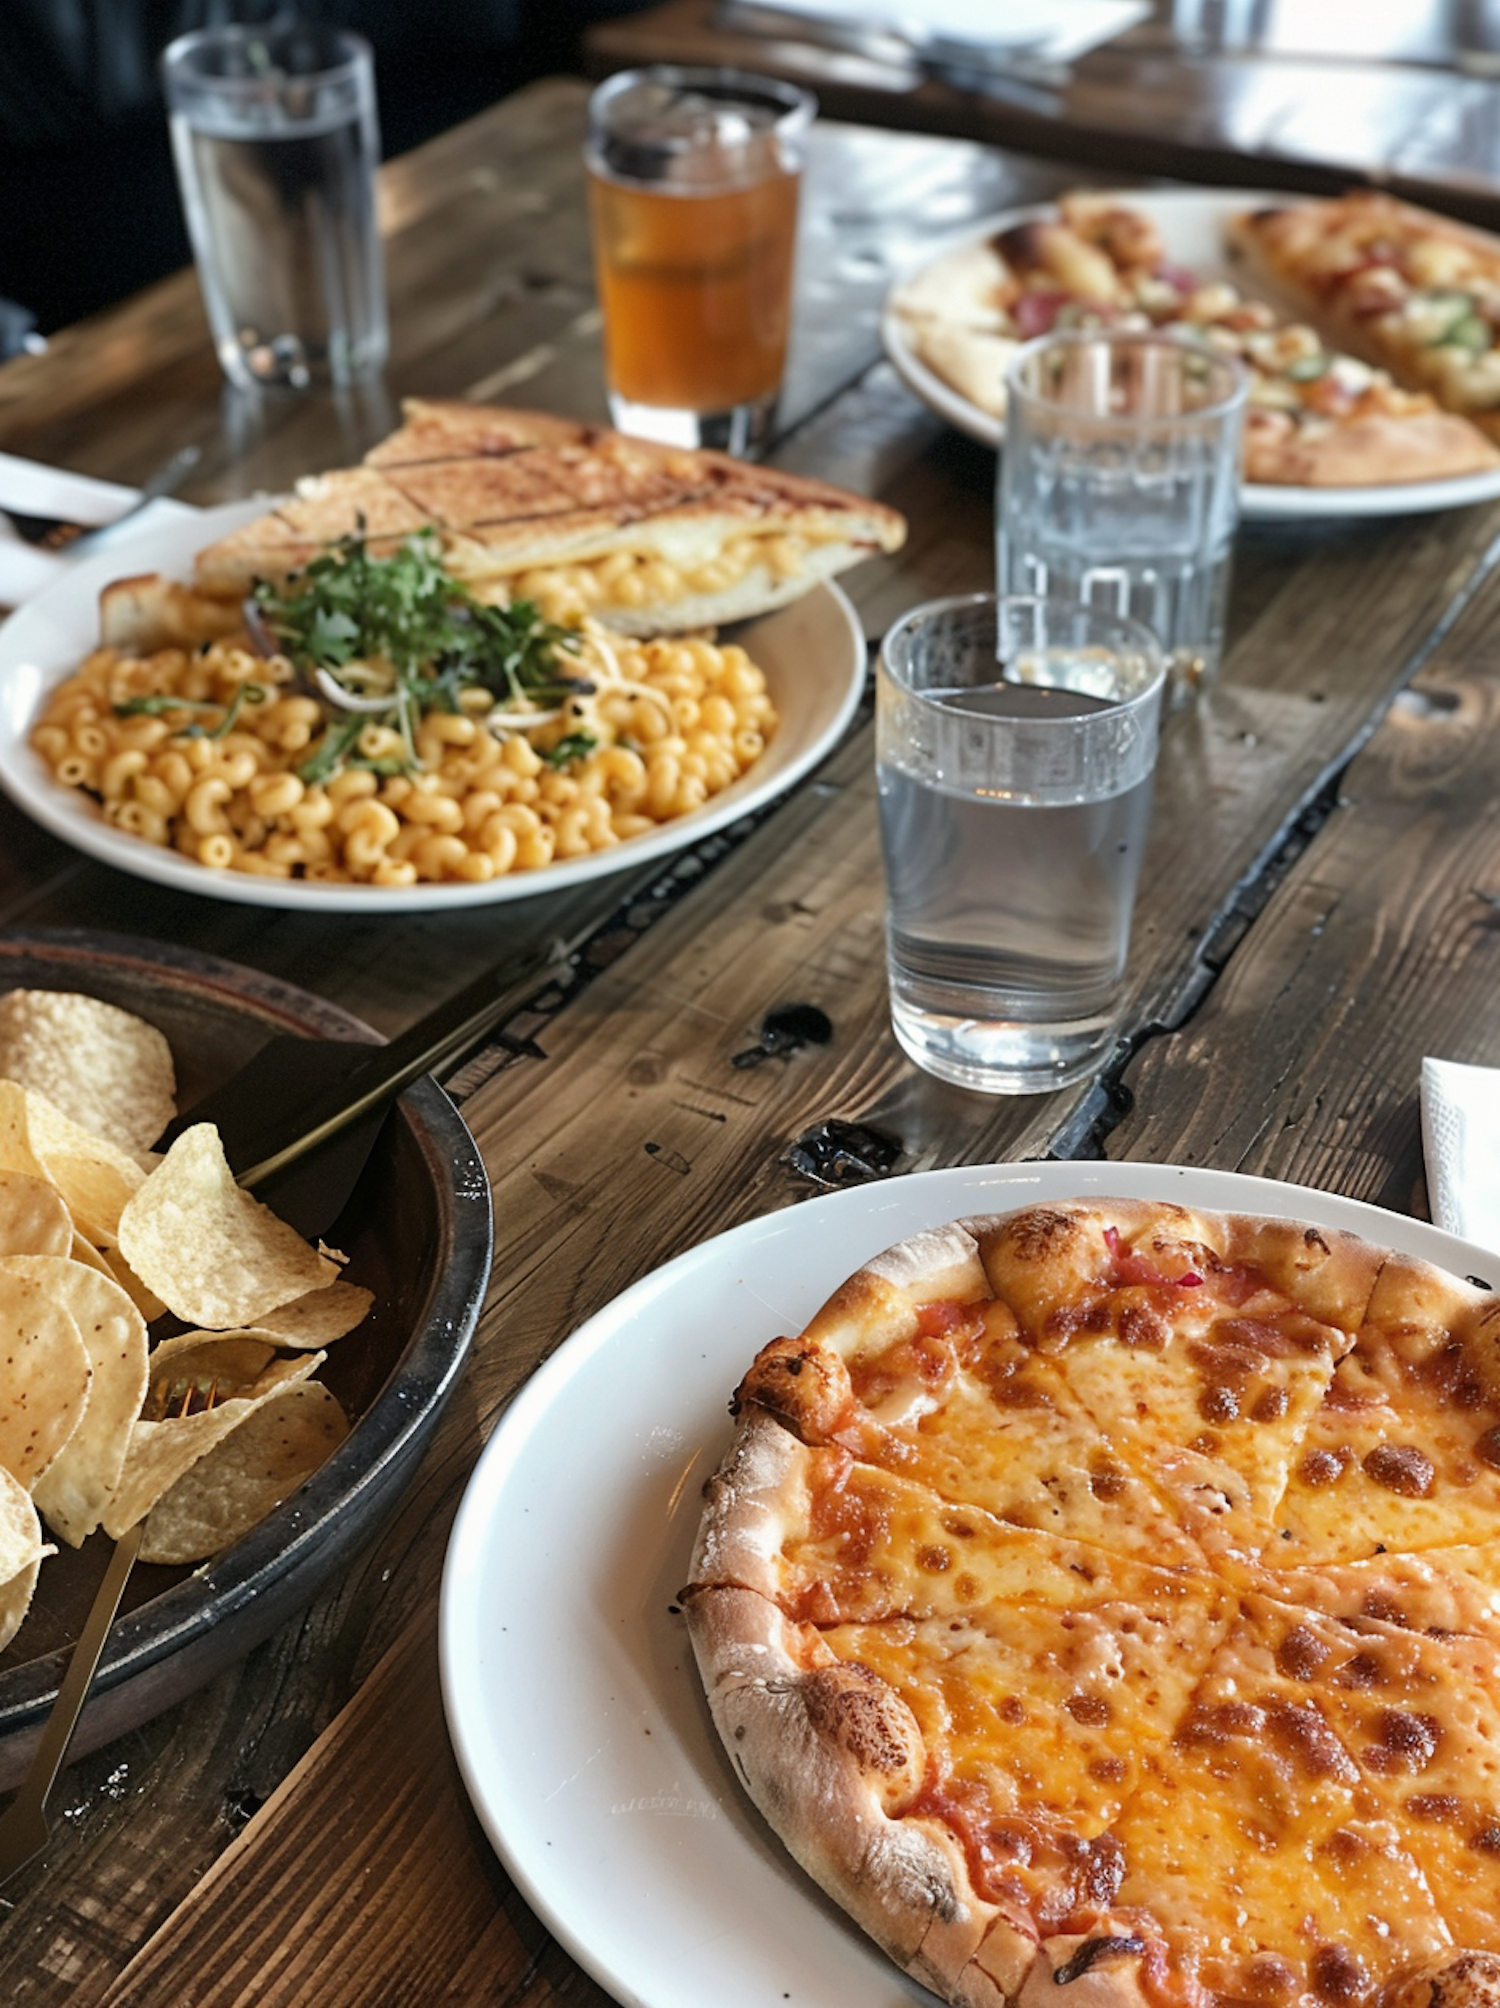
[{"x": 1319, "y": 910}]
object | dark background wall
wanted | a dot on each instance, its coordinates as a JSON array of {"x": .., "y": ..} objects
[{"x": 88, "y": 204}]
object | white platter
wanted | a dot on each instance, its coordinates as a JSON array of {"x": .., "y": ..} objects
[
  {"x": 813, "y": 654},
  {"x": 1192, "y": 222},
  {"x": 572, "y": 1697}
]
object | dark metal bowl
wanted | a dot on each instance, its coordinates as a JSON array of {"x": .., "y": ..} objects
[{"x": 417, "y": 1233}]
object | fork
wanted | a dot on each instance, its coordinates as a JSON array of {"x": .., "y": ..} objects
[
  {"x": 23, "y": 1825},
  {"x": 58, "y": 533}
]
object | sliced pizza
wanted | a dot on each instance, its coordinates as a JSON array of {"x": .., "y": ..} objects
[
  {"x": 1414, "y": 293},
  {"x": 1321, "y": 412}
]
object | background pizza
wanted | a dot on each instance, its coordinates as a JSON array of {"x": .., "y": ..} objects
[
  {"x": 1105, "y": 1596},
  {"x": 1328, "y": 408}
]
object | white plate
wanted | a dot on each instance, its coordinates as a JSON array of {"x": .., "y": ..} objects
[
  {"x": 572, "y": 1697},
  {"x": 1192, "y": 223},
  {"x": 813, "y": 654}
]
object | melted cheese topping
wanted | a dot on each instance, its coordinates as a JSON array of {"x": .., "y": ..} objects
[{"x": 1074, "y": 1526}]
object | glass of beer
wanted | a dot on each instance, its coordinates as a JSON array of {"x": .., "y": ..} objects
[{"x": 693, "y": 182}]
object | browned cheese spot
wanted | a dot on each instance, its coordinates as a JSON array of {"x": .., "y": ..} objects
[
  {"x": 1401, "y": 1468},
  {"x": 1092, "y": 1710},
  {"x": 1336, "y": 1973},
  {"x": 1405, "y": 1741},
  {"x": 1301, "y": 1653},
  {"x": 1442, "y": 1808},
  {"x": 1324, "y": 1467}
]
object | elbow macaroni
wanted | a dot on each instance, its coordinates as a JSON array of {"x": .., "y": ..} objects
[{"x": 482, "y": 804}]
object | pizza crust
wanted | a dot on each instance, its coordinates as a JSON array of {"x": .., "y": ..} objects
[
  {"x": 832, "y": 1757},
  {"x": 841, "y": 1763}
]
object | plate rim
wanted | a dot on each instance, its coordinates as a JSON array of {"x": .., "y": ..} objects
[
  {"x": 1259, "y": 501},
  {"x": 62, "y": 813},
  {"x": 953, "y": 1192}
]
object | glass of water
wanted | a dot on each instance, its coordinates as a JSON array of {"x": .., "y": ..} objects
[
  {"x": 1119, "y": 484},
  {"x": 276, "y": 144},
  {"x": 1015, "y": 747}
]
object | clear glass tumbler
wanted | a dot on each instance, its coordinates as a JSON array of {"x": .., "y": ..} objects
[
  {"x": 1015, "y": 747},
  {"x": 694, "y": 177},
  {"x": 1119, "y": 484},
  {"x": 276, "y": 144}
]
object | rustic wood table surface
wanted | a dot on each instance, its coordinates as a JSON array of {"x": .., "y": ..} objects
[
  {"x": 1177, "y": 94},
  {"x": 1320, "y": 908}
]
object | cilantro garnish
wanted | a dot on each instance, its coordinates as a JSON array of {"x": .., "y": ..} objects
[
  {"x": 407, "y": 611},
  {"x": 575, "y": 747}
]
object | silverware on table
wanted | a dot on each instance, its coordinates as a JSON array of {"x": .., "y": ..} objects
[{"x": 58, "y": 533}]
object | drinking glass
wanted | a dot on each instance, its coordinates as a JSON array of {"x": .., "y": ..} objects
[
  {"x": 276, "y": 144},
  {"x": 694, "y": 176},
  {"x": 1119, "y": 484},
  {"x": 1015, "y": 747}
]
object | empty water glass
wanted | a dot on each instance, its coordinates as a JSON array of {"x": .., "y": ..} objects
[{"x": 1119, "y": 484}]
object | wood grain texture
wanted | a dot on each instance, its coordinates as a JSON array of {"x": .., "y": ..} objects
[
  {"x": 1381, "y": 945},
  {"x": 295, "y": 1833},
  {"x": 1144, "y": 103}
]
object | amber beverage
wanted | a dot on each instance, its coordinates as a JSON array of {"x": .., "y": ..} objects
[
  {"x": 693, "y": 182},
  {"x": 696, "y": 290}
]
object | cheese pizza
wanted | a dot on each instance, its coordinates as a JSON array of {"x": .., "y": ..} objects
[
  {"x": 1318, "y": 415},
  {"x": 1107, "y": 1597}
]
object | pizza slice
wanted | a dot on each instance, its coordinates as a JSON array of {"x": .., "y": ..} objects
[
  {"x": 1403, "y": 1453},
  {"x": 1255, "y": 1847},
  {"x": 1316, "y": 415},
  {"x": 1420, "y": 1718},
  {"x": 914, "y": 1367},
  {"x": 952, "y": 1778},
  {"x": 1438, "y": 1590},
  {"x": 1201, "y": 1345},
  {"x": 1415, "y": 293}
]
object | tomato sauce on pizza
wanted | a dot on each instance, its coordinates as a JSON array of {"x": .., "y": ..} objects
[{"x": 1106, "y": 1598}]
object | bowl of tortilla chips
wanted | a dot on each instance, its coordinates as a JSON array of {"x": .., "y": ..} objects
[{"x": 177, "y": 1354}]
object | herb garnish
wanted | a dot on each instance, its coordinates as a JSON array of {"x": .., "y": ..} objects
[{"x": 417, "y": 634}]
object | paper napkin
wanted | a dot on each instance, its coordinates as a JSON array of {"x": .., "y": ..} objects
[
  {"x": 976, "y": 31},
  {"x": 1461, "y": 1145},
  {"x": 50, "y": 491}
]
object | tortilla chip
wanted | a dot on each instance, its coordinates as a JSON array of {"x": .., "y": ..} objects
[
  {"x": 77, "y": 1486},
  {"x": 318, "y": 1318},
  {"x": 33, "y": 1218},
  {"x": 94, "y": 1177},
  {"x": 45, "y": 1386},
  {"x": 246, "y": 1475},
  {"x": 107, "y": 1069},
  {"x": 160, "y": 1452},
  {"x": 21, "y": 1552},
  {"x": 215, "y": 1256}
]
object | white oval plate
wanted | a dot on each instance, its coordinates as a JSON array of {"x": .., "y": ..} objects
[
  {"x": 1192, "y": 222},
  {"x": 572, "y": 1697},
  {"x": 813, "y": 654}
]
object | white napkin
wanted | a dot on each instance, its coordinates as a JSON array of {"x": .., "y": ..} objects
[
  {"x": 50, "y": 491},
  {"x": 1461, "y": 1144},
  {"x": 1053, "y": 31}
]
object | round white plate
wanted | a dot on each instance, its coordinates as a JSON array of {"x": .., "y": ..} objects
[
  {"x": 572, "y": 1696},
  {"x": 1192, "y": 222},
  {"x": 813, "y": 654}
]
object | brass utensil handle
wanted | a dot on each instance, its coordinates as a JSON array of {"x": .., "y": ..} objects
[{"x": 23, "y": 1825}]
